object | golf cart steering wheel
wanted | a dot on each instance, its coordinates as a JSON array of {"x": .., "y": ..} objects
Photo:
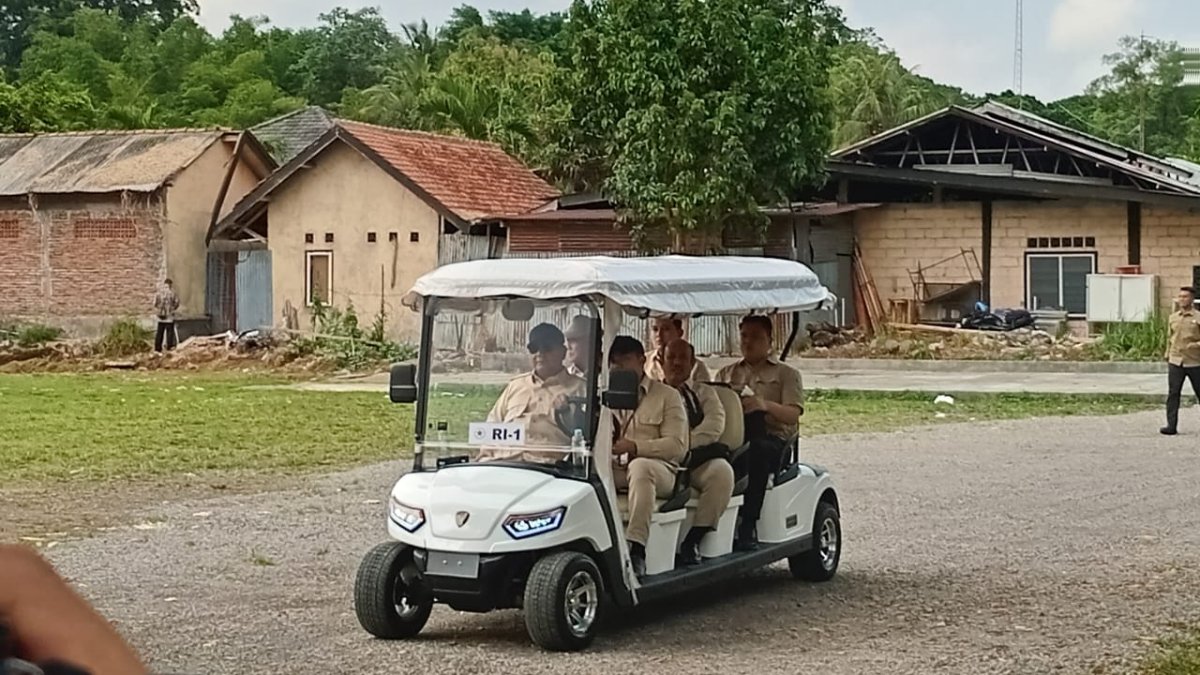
[{"x": 572, "y": 415}]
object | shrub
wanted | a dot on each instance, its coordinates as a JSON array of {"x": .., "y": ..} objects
[
  {"x": 125, "y": 338},
  {"x": 340, "y": 338},
  {"x": 1133, "y": 341},
  {"x": 34, "y": 334}
]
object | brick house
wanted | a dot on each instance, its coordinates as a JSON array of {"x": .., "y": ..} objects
[
  {"x": 91, "y": 222},
  {"x": 1015, "y": 210},
  {"x": 361, "y": 211}
]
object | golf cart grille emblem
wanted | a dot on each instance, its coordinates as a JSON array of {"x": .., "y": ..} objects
[{"x": 461, "y": 518}]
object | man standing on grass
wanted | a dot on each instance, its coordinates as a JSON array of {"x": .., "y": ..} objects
[
  {"x": 166, "y": 304},
  {"x": 1183, "y": 355}
]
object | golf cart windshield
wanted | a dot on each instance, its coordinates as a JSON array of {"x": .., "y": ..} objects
[{"x": 509, "y": 380}]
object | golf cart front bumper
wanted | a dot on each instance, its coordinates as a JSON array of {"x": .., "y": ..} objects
[{"x": 473, "y": 582}]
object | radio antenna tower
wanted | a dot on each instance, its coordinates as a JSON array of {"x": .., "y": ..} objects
[{"x": 1019, "y": 50}]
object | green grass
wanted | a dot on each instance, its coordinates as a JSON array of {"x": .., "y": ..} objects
[
  {"x": 107, "y": 425},
  {"x": 1176, "y": 656}
]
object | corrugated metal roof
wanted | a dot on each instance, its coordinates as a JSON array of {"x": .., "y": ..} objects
[
  {"x": 288, "y": 135},
  {"x": 97, "y": 162}
]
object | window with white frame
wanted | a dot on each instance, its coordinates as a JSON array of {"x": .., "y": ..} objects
[
  {"x": 1058, "y": 281},
  {"x": 318, "y": 278}
]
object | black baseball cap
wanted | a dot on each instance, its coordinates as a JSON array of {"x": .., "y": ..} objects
[{"x": 545, "y": 336}]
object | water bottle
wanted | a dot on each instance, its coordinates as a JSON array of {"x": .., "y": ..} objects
[
  {"x": 579, "y": 448},
  {"x": 441, "y": 438}
]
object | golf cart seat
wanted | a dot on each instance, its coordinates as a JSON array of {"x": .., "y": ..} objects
[{"x": 735, "y": 421}]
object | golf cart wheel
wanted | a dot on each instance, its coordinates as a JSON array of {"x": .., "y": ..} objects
[
  {"x": 562, "y": 601},
  {"x": 387, "y": 606},
  {"x": 820, "y": 562}
]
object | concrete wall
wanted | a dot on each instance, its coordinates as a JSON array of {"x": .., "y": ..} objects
[
  {"x": 190, "y": 201},
  {"x": 347, "y": 195},
  {"x": 1170, "y": 248},
  {"x": 1013, "y": 223},
  {"x": 897, "y": 238},
  {"x": 79, "y": 262}
]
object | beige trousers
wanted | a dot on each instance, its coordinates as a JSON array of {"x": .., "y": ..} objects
[
  {"x": 648, "y": 479},
  {"x": 713, "y": 480}
]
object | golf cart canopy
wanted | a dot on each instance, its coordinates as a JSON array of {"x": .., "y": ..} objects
[{"x": 665, "y": 285}]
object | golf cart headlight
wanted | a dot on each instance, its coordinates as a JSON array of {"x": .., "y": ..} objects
[
  {"x": 407, "y": 517},
  {"x": 529, "y": 525}
]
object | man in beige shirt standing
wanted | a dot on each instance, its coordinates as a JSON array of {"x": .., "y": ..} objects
[
  {"x": 651, "y": 441},
  {"x": 535, "y": 397},
  {"x": 709, "y": 471},
  {"x": 666, "y": 331},
  {"x": 773, "y": 401},
  {"x": 1183, "y": 355}
]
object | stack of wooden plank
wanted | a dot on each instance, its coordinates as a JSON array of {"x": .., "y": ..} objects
[{"x": 870, "y": 307}]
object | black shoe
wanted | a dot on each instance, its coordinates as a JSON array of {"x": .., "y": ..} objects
[
  {"x": 637, "y": 558},
  {"x": 747, "y": 540},
  {"x": 1167, "y": 431}
]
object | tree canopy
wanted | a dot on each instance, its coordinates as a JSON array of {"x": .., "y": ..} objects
[{"x": 686, "y": 112}]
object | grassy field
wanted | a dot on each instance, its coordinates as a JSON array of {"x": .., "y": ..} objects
[
  {"x": 105, "y": 426},
  {"x": 1177, "y": 656}
]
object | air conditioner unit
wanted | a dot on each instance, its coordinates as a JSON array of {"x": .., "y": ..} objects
[{"x": 1121, "y": 297}]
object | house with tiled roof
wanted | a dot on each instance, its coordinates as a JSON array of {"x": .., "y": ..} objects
[
  {"x": 360, "y": 212},
  {"x": 92, "y": 222}
]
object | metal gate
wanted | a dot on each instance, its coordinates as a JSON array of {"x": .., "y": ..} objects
[{"x": 254, "y": 306}]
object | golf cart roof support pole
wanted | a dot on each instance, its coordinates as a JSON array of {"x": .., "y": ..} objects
[
  {"x": 424, "y": 361},
  {"x": 787, "y": 347}
]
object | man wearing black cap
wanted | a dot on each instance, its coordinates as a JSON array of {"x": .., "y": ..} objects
[{"x": 534, "y": 397}]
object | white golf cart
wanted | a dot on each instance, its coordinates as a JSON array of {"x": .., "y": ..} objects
[{"x": 492, "y": 518}]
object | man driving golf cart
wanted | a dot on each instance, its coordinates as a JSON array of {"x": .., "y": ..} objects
[{"x": 538, "y": 398}]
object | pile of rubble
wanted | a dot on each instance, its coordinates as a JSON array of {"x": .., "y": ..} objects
[
  {"x": 899, "y": 341},
  {"x": 226, "y": 351}
]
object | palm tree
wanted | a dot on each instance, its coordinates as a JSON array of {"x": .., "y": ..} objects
[{"x": 873, "y": 92}]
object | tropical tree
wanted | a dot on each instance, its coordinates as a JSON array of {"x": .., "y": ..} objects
[{"x": 872, "y": 92}]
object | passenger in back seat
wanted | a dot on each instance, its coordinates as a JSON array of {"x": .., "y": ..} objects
[
  {"x": 709, "y": 471},
  {"x": 650, "y": 444}
]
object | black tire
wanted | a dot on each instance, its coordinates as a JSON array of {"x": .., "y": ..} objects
[
  {"x": 549, "y": 619},
  {"x": 820, "y": 562},
  {"x": 379, "y": 591}
]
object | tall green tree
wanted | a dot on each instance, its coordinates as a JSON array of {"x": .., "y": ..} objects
[
  {"x": 1140, "y": 102},
  {"x": 352, "y": 50},
  {"x": 873, "y": 92},
  {"x": 691, "y": 114}
]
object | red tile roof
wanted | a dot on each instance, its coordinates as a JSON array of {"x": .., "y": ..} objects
[{"x": 470, "y": 178}]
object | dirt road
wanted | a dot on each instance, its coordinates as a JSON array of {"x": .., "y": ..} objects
[{"x": 1016, "y": 547}]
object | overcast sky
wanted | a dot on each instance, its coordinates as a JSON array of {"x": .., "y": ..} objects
[{"x": 968, "y": 43}]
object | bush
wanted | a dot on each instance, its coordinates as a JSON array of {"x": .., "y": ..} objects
[
  {"x": 1133, "y": 341},
  {"x": 125, "y": 338},
  {"x": 340, "y": 338},
  {"x": 35, "y": 334}
]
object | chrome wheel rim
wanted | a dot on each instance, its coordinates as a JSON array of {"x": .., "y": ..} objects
[
  {"x": 828, "y": 545},
  {"x": 405, "y": 607},
  {"x": 581, "y": 601}
]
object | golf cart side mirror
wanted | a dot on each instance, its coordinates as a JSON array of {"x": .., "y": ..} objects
[
  {"x": 402, "y": 385},
  {"x": 622, "y": 391}
]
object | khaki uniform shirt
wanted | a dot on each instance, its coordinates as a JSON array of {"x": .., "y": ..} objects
[
  {"x": 654, "y": 368},
  {"x": 659, "y": 426},
  {"x": 772, "y": 381},
  {"x": 530, "y": 399},
  {"x": 711, "y": 429},
  {"x": 1183, "y": 342}
]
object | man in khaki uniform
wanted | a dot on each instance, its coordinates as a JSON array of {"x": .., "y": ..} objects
[
  {"x": 709, "y": 470},
  {"x": 1183, "y": 355},
  {"x": 666, "y": 331},
  {"x": 773, "y": 401},
  {"x": 535, "y": 397},
  {"x": 580, "y": 343},
  {"x": 650, "y": 444}
]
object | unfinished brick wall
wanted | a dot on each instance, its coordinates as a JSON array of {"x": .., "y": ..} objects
[
  {"x": 1014, "y": 223},
  {"x": 1170, "y": 248},
  {"x": 20, "y": 264},
  {"x": 103, "y": 260},
  {"x": 897, "y": 238}
]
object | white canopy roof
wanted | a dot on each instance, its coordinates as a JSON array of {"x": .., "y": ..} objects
[{"x": 675, "y": 284}]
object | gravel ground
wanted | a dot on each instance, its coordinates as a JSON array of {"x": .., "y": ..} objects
[{"x": 1054, "y": 545}]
